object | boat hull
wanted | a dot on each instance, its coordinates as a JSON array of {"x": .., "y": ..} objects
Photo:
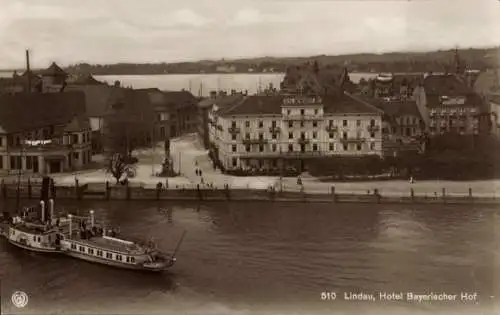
[
  {"x": 116, "y": 264},
  {"x": 34, "y": 249}
]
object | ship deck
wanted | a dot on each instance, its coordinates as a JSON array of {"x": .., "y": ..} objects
[{"x": 104, "y": 243}]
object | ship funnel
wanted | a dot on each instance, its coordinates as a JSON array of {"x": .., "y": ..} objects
[
  {"x": 42, "y": 207},
  {"x": 92, "y": 218},
  {"x": 70, "y": 219},
  {"x": 51, "y": 209}
]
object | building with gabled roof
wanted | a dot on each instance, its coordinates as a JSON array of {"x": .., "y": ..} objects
[
  {"x": 43, "y": 133},
  {"x": 288, "y": 130}
]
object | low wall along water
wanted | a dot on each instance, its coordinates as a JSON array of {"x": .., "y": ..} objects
[{"x": 107, "y": 191}]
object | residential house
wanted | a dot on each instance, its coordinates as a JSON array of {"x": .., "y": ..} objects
[
  {"x": 53, "y": 78},
  {"x": 494, "y": 101},
  {"x": 394, "y": 86},
  {"x": 99, "y": 97},
  {"x": 277, "y": 131},
  {"x": 43, "y": 133},
  {"x": 488, "y": 83},
  {"x": 20, "y": 83},
  {"x": 403, "y": 128},
  {"x": 448, "y": 105}
]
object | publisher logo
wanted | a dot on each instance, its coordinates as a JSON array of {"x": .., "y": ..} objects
[{"x": 19, "y": 299}]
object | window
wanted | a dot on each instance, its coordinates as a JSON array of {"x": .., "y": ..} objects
[
  {"x": 331, "y": 147},
  {"x": 73, "y": 246},
  {"x": 99, "y": 253},
  {"x": 315, "y": 147},
  {"x": 128, "y": 259},
  {"x": 235, "y": 162},
  {"x": 302, "y": 135},
  {"x": 358, "y": 147},
  {"x": 345, "y": 147},
  {"x": 274, "y": 135},
  {"x": 372, "y": 122},
  {"x": 290, "y": 124},
  {"x": 247, "y": 135},
  {"x": 132, "y": 259},
  {"x": 315, "y": 134},
  {"x": 358, "y": 135},
  {"x": 76, "y": 155},
  {"x": 109, "y": 255},
  {"x": 372, "y": 134},
  {"x": 15, "y": 162},
  {"x": 315, "y": 112},
  {"x": 81, "y": 248},
  {"x": 315, "y": 123},
  {"x": 344, "y": 135},
  {"x": 261, "y": 124},
  {"x": 330, "y": 122},
  {"x": 273, "y": 123},
  {"x": 119, "y": 257},
  {"x": 288, "y": 112},
  {"x": 233, "y": 136},
  {"x": 1, "y": 162},
  {"x": 344, "y": 123},
  {"x": 39, "y": 240},
  {"x": 91, "y": 251},
  {"x": 234, "y": 148},
  {"x": 247, "y": 148},
  {"x": 301, "y": 124},
  {"x": 372, "y": 146},
  {"x": 358, "y": 123},
  {"x": 247, "y": 124},
  {"x": 34, "y": 238},
  {"x": 290, "y": 135},
  {"x": 274, "y": 147},
  {"x": 330, "y": 134},
  {"x": 74, "y": 139},
  {"x": 261, "y": 136},
  {"x": 302, "y": 112},
  {"x": 1, "y": 141},
  {"x": 261, "y": 148},
  {"x": 233, "y": 124},
  {"x": 290, "y": 148}
]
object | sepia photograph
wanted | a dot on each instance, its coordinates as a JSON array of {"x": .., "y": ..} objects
[{"x": 245, "y": 157}]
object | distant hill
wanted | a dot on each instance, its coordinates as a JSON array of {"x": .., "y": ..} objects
[{"x": 441, "y": 60}]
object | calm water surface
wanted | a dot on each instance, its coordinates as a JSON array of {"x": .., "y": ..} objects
[{"x": 263, "y": 258}]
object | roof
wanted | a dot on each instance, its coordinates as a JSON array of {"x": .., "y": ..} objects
[
  {"x": 78, "y": 123},
  {"x": 180, "y": 99},
  {"x": 27, "y": 111},
  {"x": 131, "y": 103},
  {"x": 271, "y": 105},
  {"x": 396, "y": 108},
  {"x": 85, "y": 79},
  {"x": 488, "y": 82},
  {"x": 221, "y": 101},
  {"x": 54, "y": 70},
  {"x": 445, "y": 84},
  {"x": 97, "y": 97}
]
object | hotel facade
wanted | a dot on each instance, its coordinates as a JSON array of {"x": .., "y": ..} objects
[{"x": 269, "y": 132}]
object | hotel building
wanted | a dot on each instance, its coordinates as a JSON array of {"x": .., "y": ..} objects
[{"x": 277, "y": 131}]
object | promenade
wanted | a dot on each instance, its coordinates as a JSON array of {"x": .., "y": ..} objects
[{"x": 188, "y": 155}]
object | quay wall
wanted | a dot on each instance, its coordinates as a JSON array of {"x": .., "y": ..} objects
[{"x": 107, "y": 191}]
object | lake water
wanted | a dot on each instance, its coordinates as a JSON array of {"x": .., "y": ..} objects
[
  {"x": 262, "y": 258},
  {"x": 202, "y": 84}
]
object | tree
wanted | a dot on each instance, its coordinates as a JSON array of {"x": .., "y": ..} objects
[{"x": 118, "y": 165}]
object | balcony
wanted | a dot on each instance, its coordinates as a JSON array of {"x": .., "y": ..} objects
[
  {"x": 352, "y": 140},
  {"x": 254, "y": 141},
  {"x": 299, "y": 117},
  {"x": 233, "y": 130},
  {"x": 274, "y": 129},
  {"x": 303, "y": 141},
  {"x": 282, "y": 155},
  {"x": 373, "y": 128},
  {"x": 331, "y": 128},
  {"x": 292, "y": 100}
]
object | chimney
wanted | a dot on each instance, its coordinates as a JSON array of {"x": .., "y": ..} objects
[
  {"x": 42, "y": 207},
  {"x": 28, "y": 71}
]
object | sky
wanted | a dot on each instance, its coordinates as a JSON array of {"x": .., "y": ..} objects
[{"x": 111, "y": 31}]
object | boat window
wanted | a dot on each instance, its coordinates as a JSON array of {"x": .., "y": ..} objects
[
  {"x": 34, "y": 238},
  {"x": 39, "y": 239},
  {"x": 119, "y": 257},
  {"x": 73, "y": 246},
  {"x": 132, "y": 259},
  {"x": 109, "y": 255},
  {"x": 99, "y": 253},
  {"x": 82, "y": 249},
  {"x": 91, "y": 251},
  {"x": 49, "y": 238},
  {"x": 128, "y": 259}
]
